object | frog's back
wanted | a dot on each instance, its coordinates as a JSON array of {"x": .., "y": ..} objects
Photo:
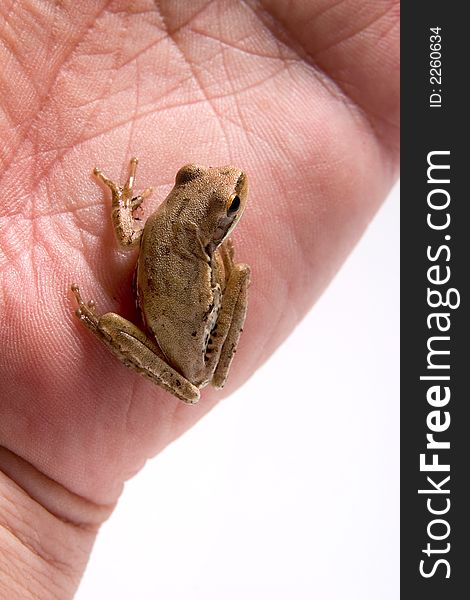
[{"x": 175, "y": 291}]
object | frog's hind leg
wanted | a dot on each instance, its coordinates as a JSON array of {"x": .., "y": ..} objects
[
  {"x": 224, "y": 338},
  {"x": 135, "y": 349}
]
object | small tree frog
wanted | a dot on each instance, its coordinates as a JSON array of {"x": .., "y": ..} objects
[{"x": 191, "y": 294}]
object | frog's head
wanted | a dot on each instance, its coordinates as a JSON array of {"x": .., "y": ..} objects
[{"x": 216, "y": 199}]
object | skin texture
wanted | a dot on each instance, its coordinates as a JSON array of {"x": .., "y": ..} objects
[{"x": 303, "y": 96}]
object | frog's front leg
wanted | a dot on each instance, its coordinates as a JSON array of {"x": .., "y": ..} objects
[
  {"x": 240, "y": 294},
  {"x": 124, "y": 203},
  {"x": 226, "y": 333},
  {"x": 135, "y": 349}
]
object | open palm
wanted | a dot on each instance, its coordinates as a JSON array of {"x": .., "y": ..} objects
[{"x": 303, "y": 96}]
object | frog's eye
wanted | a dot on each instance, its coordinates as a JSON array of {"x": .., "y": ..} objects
[{"x": 233, "y": 204}]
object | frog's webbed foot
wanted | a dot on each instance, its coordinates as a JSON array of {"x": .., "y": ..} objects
[
  {"x": 125, "y": 192},
  {"x": 86, "y": 312},
  {"x": 128, "y": 188},
  {"x": 135, "y": 349},
  {"x": 124, "y": 203}
]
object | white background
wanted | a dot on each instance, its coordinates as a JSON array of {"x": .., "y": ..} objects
[{"x": 277, "y": 493}]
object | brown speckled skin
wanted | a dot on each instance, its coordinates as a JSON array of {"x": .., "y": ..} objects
[{"x": 180, "y": 276}]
